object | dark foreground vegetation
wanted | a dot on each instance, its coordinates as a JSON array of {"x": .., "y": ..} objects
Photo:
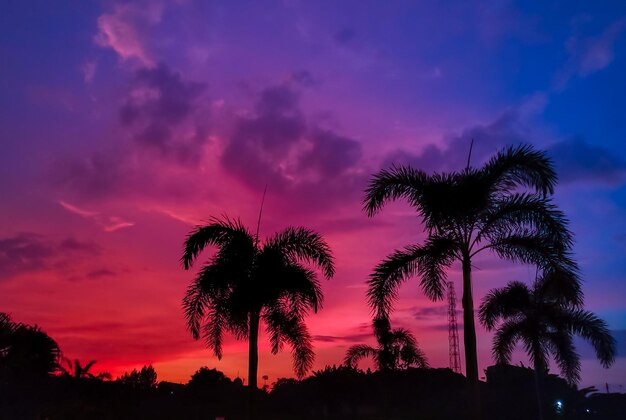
[{"x": 333, "y": 393}]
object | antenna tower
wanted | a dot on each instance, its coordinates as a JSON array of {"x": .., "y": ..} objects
[{"x": 453, "y": 331}]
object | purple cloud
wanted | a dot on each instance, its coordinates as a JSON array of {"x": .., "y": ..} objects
[
  {"x": 577, "y": 160},
  {"x": 430, "y": 312},
  {"x": 452, "y": 156},
  {"x": 157, "y": 104},
  {"x": 351, "y": 338},
  {"x": 28, "y": 252},
  {"x": 279, "y": 146},
  {"x": 163, "y": 114},
  {"x": 100, "y": 273}
]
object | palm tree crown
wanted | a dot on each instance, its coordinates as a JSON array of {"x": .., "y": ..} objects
[
  {"x": 503, "y": 207},
  {"x": 77, "y": 370},
  {"x": 245, "y": 282},
  {"x": 397, "y": 349},
  {"x": 25, "y": 350},
  {"x": 545, "y": 323}
]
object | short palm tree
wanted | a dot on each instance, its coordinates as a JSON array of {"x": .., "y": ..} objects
[
  {"x": 76, "y": 370},
  {"x": 245, "y": 282},
  {"x": 502, "y": 207},
  {"x": 544, "y": 319},
  {"x": 397, "y": 349},
  {"x": 25, "y": 350}
]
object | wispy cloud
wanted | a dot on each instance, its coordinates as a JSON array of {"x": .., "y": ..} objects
[
  {"x": 107, "y": 223},
  {"x": 590, "y": 54},
  {"x": 88, "y": 69},
  {"x": 29, "y": 252}
]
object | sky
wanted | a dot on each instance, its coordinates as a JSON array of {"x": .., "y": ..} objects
[{"x": 124, "y": 124}]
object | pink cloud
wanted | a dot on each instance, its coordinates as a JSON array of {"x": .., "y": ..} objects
[
  {"x": 122, "y": 30},
  {"x": 107, "y": 223}
]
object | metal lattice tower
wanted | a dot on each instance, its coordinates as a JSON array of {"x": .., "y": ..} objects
[{"x": 453, "y": 331}]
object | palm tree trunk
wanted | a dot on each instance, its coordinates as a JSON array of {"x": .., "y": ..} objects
[
  {"x": 253, "y": 353},
  {"x": 469, "y": 337},
  {"x": 253, "y": 361},
  {"x": 539, "y": 388},
  {"x": 469, "y": 328}
]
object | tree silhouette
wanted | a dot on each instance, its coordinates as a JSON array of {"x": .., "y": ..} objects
[
  {"x": 544, "y": 318},
  {"x": 397, "y": 349},
  {"x": 141, "y": 380},
  {"x": 76, "y": 370},
  {"x": 245, "y": 282},
  {"x": 25, "y": 350},
  {"x": 502, "y": 207}
]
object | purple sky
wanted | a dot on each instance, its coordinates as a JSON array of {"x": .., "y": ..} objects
[{"x": 122, "y": 124}]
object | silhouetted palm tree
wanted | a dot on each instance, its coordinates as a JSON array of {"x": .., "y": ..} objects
[
  {"x": 397, "y": 349},
  {"x": 544, "y": 319},
  {"x": 25, "y": 350},
  {"x": 245, "y": 282},
  {"x": 464, "y": 214},
  {"x": 76, "y": 370}
]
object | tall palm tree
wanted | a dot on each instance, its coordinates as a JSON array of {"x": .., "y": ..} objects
[
  {"x": 544, "y": 318},
  {"x": 245, "y": 282},
  {"x": 502, "y": 207},
  {"x": 397, "y": 349}
]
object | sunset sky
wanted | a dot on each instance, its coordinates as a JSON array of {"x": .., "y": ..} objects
[{"x": 123, "y": 124}]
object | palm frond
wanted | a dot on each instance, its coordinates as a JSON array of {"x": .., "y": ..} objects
[
  {"x": 289, "y": 279},
  {"x": 559, "y": 286},
  {"x": 388, "y": 275},
  {"x": 525, "y": 211},
  {"x": 596, "y": 332},
  {"x": 562, "y": 346},
  {"x": 504, "y": 341},
  {"x": 438, "y": 253},
  {"x": 221, "y": 233},
  {"x": 503, "y": 304},
  {"x": 521, "y": 166},
  {"x": 304, "y": 245},
  {"x": 357, "y": 352},
  {"x": 195, "y": 305},
  {"x": 536, "y": 346},
  {"x": 275, "y": 317},
  {"x": 532, "y": 248},
  {"x": 428, "y": 261},
  {"x": 213, "y": 334},
  {"x": 86, "y": 369},
  {"x": 412, "y": 355},
  {"x": 284, "y": 325},
  {"x": 394, "y": 183},
  {"x": 302, "y": 348}
]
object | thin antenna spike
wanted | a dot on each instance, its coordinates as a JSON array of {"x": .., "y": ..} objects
[
  {"x": 258, "y": 224},
  {"x": 469, "y": 156}
]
